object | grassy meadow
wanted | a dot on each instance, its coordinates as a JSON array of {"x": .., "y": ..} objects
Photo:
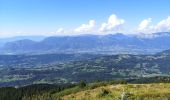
[{"x": 155, "y": 91}]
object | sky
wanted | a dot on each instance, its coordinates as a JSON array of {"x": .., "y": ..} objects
[{"x": 74, "y": 17}]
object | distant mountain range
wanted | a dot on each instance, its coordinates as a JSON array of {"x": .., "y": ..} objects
[
  {"x": 112, "y": 43},
  {"x": 16, "y": 38}
]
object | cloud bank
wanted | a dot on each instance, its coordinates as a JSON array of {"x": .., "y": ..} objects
[
  {"x": 115, "y": 24},
  {"x": 162, "y": 26}
]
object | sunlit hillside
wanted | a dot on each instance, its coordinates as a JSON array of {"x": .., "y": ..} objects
[{"x": 160, "y": 91}]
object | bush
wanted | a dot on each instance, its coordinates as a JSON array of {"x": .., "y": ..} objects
[
  {"x": 82, "y": 84},
  {"x": 103, "y": 92}
]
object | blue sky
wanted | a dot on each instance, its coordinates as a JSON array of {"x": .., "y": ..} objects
[{"x": 68, "y": 17}]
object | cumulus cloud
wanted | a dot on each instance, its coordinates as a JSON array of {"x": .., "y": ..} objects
[
  {"x": 113, "y": 24},
  {"x": 144, "y": 24},
  {"x": 162, "y": 26},
  {"x": 86, "y": 27}
]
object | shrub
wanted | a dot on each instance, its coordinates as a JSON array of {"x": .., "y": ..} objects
[
  {"x": 103, "y": 92},
  {"x": 82, "y": 84}
]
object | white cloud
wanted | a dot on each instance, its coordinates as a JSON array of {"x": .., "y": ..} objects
[
  {"x": 144, "y": 24},
  {"x": 162, "y": 26},
  {"x": 60, "y": 30},
  {"x": 113, "y": 24},
  {"x": 86, "y": 27}
]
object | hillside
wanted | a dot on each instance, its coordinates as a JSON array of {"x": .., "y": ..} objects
[
  {"x": 157, "y": 88},
  {"x": 160, "y": 91}
]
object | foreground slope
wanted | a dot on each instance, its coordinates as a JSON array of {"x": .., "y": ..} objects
[
  {"x": 159, "y": 91},
  {"x": 155, "y": 88}
]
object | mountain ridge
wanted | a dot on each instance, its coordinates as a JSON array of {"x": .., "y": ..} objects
[{"x": 110, "y": 42}]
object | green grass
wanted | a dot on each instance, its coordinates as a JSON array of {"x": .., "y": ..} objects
[
  {"x": 159, "y": 91},
  {"x": 111, "y": 90}
]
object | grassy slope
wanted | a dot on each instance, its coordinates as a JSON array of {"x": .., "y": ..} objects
[{"x": 157, "y": 91}]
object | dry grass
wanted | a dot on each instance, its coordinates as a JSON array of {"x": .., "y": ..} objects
[{"x": 160, "y": 91}]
